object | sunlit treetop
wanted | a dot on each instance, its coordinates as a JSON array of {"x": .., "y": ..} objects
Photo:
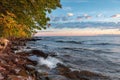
[{"x": 29, "y": 13}]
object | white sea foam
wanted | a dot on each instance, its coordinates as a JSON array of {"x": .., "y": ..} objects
[{"x": 50, "y": 62}]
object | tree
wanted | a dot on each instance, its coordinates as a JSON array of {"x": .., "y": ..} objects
[{"x": 21, "y": 18}]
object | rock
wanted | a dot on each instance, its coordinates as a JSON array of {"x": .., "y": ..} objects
[
  {"x": 83, "y": 78},
  {"x": 28, "y": 47},
  {"x": 39, "y": 53},
  {"x": 56, "y": 77},
  {"x": 62, "y": 68},
  {"x": 1, "y": 77},
  {"x": 92, "y": 75},
  {"x": 43, "y": 74},
  {"x": 23, "y": 73},
  {"x": 15, "y": 48},
  {"x": 65, "y": 71},
  {"x": 14, "y": 66},
  {"x": 1, "y": 68},
  {"x": 13, "y": 77},
  {"x": 53, "y": 54},
  {"x": 73, "y": 75},
  {"x": 79, "y": 75},
  {"x": 34, "y": 39},
  {"x": 31, "y": 62},
  {"x": 88, "y": 73},
  {"x": 3, "y": 43}
]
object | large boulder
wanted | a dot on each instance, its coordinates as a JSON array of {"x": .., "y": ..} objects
[
  {"x": 39, "y": 53},
  {"x": 79, "y": 75}
]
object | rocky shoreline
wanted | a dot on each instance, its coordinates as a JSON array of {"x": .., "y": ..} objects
[{"x": 19, "y": 66}]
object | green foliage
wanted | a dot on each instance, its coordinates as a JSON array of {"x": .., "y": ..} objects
[
  {"x": 22, "y": 17},
  {"x": 9, "y": 27}
]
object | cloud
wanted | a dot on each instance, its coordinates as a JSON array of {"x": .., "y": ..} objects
[
  {"x": 116, "y": 16},
  {"x": 70, "y": 14},
  {"x": 59, "y": 18},
  {"x": 80, "y": 17},
  {"x": 86, "y": 16},
  {"x": 100, "y": 25},
  {"x": 67, "y": 8},
  {"x": 100, "y": 15}
]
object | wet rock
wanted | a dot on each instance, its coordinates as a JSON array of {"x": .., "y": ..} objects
[
  {"x": 82, "y": 78},
  {"x": 23, "y": 53},
  {"x": 39, "y": 53},
  {"x": 28, "y": 47},
  {"x": 53, "y": 54},
  {"x": 93, "y": 76},
  {"x": 65, "y": 71},
  {"x": 88, "y": 73},
  {"x": 34, "y": 39},
  {"x": 31, "y": 62},
  {"x": 62, "y": 68},
  {"x": 56, "y": 77},
  {"x": 14, "y": 48},
  {"x": 73, "y": 75},
  {"x": 43, "y": 73},
  {"x": 79, "y": 75}
]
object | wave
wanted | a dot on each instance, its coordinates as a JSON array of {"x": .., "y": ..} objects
[
  {"x": 87, "y": 43},
  {"x": 50, "y": 62},
  {"x": 106, "y": 44},
  {"x": 76, "y": 49},
  {"x": 101, "y": 44},
  {"x": 86, "y": 49},
  {"x": 75, "y": 42}
]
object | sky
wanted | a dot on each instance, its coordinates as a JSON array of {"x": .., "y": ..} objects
[{"x": 95, "y": 11}]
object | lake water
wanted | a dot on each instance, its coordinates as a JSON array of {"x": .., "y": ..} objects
[{"x": 98, "y": 54}]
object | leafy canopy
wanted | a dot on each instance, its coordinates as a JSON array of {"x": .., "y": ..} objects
[{"x": 20, "y": 18}]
